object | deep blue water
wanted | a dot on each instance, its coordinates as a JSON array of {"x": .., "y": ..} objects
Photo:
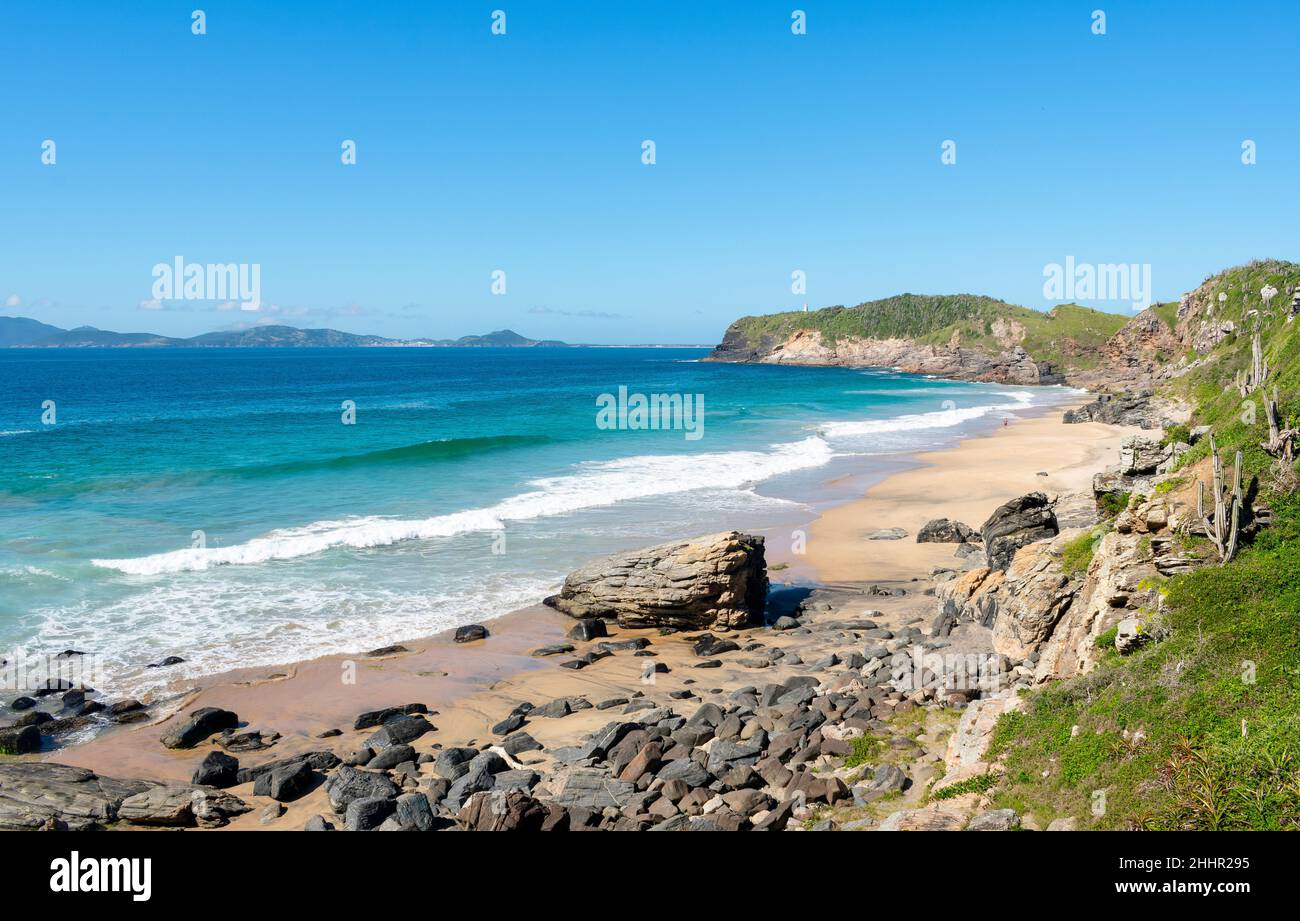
[{"x": 471, "y": 481}]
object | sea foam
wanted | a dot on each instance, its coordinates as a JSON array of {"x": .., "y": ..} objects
[{"x": 596, "y": 484}]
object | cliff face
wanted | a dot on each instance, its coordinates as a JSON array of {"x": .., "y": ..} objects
[
  {"x": 959, "y": 336},
  {"x": 808, "y": 347}
]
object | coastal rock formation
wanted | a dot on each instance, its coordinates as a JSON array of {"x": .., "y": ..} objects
[
  {"x": 37, "y": 795},
  {"x": 964, "y": 757},
  {"x": 1016, "y": 523},
  {"x": 808, "y": 347},
  {"x": 717, "y": 581},
  {"x": 1034, "y": 596},
  {"x": 1139, "y": 456}
]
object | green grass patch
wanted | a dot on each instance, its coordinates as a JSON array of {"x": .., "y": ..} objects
[
  {"x": 1078, "y": 553},
  {"x": 977, "y": 784},
  {"x": 866, "y": 750}
]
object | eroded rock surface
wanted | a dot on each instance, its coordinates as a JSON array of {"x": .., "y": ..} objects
[{"x": 715, "y": 581}]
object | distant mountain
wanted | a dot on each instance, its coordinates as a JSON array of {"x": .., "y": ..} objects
[
  {"x": 502, "y": 338},
  {"x": 88, "y": 337},
  {"x": 21, "y": 330},
  {"x": 25, "y": 333},
  {"x": 285, "y": 337}
]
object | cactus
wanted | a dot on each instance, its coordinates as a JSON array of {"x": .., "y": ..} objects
[
  {"x": 1224, "y": 526},
  {"x": 1280, "y": 442},
  {"x": 1251, "y": 379}
]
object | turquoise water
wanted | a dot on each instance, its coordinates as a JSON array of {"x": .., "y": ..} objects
[{"x": 214, "y": 505}]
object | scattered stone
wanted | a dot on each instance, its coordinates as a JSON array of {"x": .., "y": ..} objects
[
  {"x": 887, "y": 534},
  {"x": 167, "y": 662},
  {"x": 556, "y": 649},
  {"x": 384, "y": 651},
  {"x": 470, "y": 633}
]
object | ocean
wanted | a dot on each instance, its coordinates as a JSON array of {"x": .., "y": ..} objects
[{"x": 253, "y": 507}]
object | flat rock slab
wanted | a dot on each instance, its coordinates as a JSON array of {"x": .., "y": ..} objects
[
  {"x": 593, "y": 789},
  {"x": 33, "y": 793},
  {"x": 923, "y": 820}
]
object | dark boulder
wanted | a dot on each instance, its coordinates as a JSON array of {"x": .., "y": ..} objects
[
  {"x": 588, "y": 629},
  {"x": 217, "y": 770},
  {"x": 198, "y": 725},
  {"x": 470, "y": 633},
  {"x": 369, "y": 813},
  {"x": 289, "y": 782},
  {"x": 349, "y": 784},
  {"x": 20, "y": 740},
  {"x": 391, "y": 757},
  {"x": 400, "y": 731},
  {"x": 1021, "y": 521},
  {"x": 946, "y": 531},
  {"x": 707, "y": 646}
]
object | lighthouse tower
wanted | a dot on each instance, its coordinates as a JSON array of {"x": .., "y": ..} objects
[{"x": 805, "y": 306}]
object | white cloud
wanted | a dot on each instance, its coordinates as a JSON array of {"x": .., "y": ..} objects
[
  {"x": 13, "y": 300},
  {"x": 152, "y": 304}
]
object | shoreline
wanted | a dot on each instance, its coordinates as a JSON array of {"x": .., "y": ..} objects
[{"x": 469, "y": 687}]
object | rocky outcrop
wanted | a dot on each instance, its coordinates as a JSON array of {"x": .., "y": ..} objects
[
  {"x": 718, "y": 581},
  {"x": 965, "y": 756},
  {"x": 1120, "y": 409},
  {"x": 36, "y": 795},
  {"x": 1035, "y": 594},
  {"x": 1139, "y": 353},
  {"x": 1109, "y": 590},
  {"x": 1016, "y": 523},
  {"x": 1140, "y": 456},
  {"x": 1013, "y": 365}
]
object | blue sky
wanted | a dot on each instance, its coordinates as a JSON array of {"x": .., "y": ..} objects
[{"x": 522, "y": 153}]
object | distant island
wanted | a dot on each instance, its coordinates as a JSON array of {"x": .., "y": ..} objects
[{"x": 26, "y": 333}]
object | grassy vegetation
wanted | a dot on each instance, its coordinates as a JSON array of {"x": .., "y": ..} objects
[
  {"x": 977, "y": 784},
  {"x": 866, "y": 750},
  {"x": 1113, "y": 503},
  {"x": 1078, "y": 553},
  {"x": 1201, "y": 730},
  {"x": 1069, "y": 335}
]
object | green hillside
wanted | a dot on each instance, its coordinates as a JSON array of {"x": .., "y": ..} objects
[
  {"x": 1201, "y": 730},
  {"x": 1069, "y": 335}
]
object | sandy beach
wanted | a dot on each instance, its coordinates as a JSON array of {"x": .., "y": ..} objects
[{"x": 470, "y": 687}]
